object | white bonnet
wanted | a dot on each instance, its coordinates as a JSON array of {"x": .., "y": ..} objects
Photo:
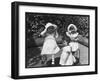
[
  {"x": 68, "y": 33},
  {"x": 71, "y": 25}
]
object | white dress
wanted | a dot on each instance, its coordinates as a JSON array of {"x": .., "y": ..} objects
[
  {"x": 50, "y": 46},
  {"x": 66, "y": 57},
  {"x": 73, "y": 44}
]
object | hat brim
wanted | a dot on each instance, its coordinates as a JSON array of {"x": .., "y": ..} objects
[{"x": 47, "y": 26}]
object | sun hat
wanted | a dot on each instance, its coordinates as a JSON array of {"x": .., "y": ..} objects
[{"x": 47, "y": 26}]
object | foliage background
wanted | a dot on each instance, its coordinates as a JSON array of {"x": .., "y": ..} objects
[{"x": 33, "y": 22}]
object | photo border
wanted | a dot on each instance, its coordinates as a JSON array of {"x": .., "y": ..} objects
[{"x": 15, "y": 39}]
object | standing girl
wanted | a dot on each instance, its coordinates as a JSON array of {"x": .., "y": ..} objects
[
  {"x": 50, "y": 46},
  {"x": 73, "y": 34}
]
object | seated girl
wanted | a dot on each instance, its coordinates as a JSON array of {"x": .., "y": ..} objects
[{"x": 66, "y": 57}]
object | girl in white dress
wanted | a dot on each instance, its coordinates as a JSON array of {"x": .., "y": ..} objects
[
  {"x": 67, "y": 57},
  {"x": 50, "y": 46},
  {"x": 73, "y": 34}
]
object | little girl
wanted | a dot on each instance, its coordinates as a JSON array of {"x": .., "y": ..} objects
[
  {"x": 66, "y": 57},
  {"x": 50, "y": 46},
  {"x": 73, "y": 34}
]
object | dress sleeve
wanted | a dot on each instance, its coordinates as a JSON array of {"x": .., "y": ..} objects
[{"x": 56, "y": 48}]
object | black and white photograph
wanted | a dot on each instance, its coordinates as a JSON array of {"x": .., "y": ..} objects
[
  {"x": 50, "y": 40},
  {"x": 56, "y": 40}
]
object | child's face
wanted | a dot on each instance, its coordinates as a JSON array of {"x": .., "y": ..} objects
[
  {"x": 65, "y": 43},
  {"x": 73, "y": 32}
]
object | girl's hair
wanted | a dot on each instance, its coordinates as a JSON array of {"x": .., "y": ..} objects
[{"x": 50, "y": 30}]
